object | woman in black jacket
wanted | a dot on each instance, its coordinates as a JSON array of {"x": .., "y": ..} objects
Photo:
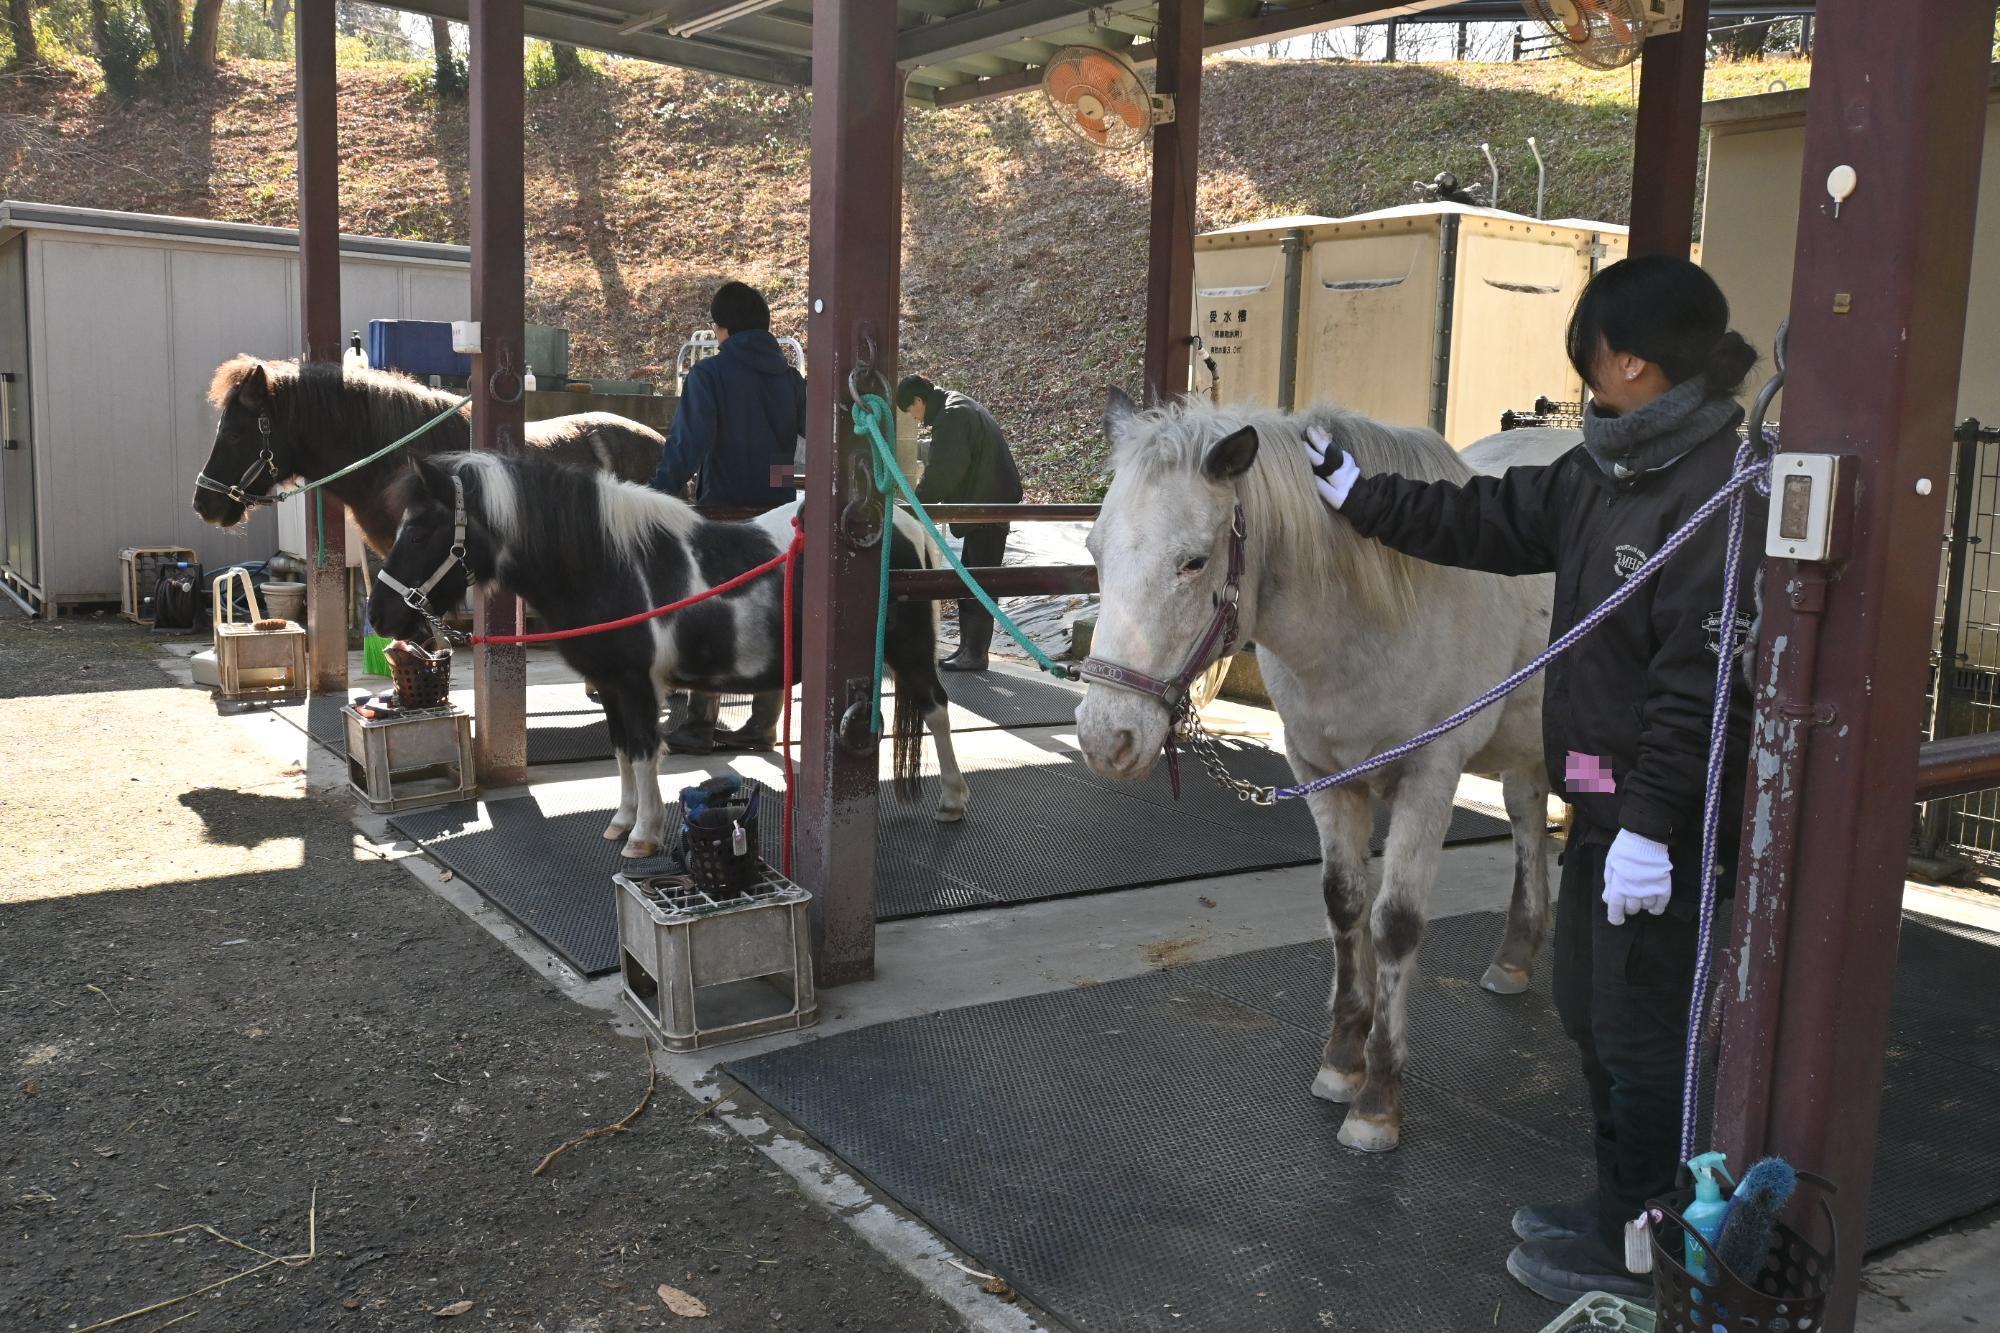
[{"x": 1625, "y": 714}]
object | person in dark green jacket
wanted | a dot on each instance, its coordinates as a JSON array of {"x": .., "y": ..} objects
[{"x": 969, "y": 464}]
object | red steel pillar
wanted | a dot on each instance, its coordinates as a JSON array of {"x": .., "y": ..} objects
[
  {"x": 499, "y": 275},
  {"x": 1667, "y": 141},
  {"x": 1170, "y": 243},
  {"x": 319, "y": 315},
  {"x": 852, "y": 303},
  {"x": 1879, "y": 297}
]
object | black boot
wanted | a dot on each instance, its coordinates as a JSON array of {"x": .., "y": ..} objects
[
  {"x": 697, "y": 734},
  {"x": 1556, "y": 1221},
  {"x": 1565, "y": 1270},
  {"x": 761, "y": 731},
  {"x": 975, "y": 635}
]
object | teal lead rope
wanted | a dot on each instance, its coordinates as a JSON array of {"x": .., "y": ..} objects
[{"x": 873, "y": 418}]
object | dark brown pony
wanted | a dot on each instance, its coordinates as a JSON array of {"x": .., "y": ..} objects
[{"x": 317, "y": 419}]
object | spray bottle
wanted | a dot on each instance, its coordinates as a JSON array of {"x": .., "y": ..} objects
[
  {"x": 355, "y": 357},
  {"x": 1705, "y": 1213}
]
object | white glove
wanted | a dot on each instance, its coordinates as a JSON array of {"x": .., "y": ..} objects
[
  {"x": 1334, "y": 486},
  {"x": 1638, "y": 876}
]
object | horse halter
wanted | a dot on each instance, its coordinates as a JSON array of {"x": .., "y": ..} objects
[
  {"x": 418, "y": 598},
  {"x": 1211, "y": 647},
  {"x": 266, "y": 462}
]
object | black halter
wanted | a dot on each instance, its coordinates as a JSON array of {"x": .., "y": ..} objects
[{"x": 266, "y": 462}]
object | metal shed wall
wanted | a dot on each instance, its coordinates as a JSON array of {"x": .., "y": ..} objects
[
  {"x": 125, "y": 331},
  {"x": 1756, "y": 165}
]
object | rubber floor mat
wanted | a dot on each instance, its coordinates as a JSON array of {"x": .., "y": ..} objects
[
  {"x": 1144, "y": 1154},
  {"x": 1037, "y": 831}
]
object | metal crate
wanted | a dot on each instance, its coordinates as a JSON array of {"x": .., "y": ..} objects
[
  {"x": 139, "y": 570},
  {"x": 414, "y": 759},
  {"x": 699, "y": 971}
]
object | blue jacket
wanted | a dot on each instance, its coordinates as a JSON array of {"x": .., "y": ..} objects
[{"x": 740, "y": 417}]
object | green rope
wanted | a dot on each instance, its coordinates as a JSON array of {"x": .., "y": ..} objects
[
  {"x": 379, "y": 454},
  {"x": 873, "y": 418}
]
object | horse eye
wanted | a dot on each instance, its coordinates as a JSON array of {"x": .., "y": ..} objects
[{"x": 1194, "y": 564}]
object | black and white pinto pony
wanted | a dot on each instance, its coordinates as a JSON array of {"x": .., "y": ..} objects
[
  {"x": 281, "y": 421},
  {"x": 1361, "y": 649},
  {"x": 582, "y": 548}
]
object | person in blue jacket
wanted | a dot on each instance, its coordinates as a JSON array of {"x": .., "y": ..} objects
[{"x": 734, "y": 438}]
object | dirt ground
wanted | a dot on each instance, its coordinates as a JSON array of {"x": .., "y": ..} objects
[{"x": 216, "y": 1009}]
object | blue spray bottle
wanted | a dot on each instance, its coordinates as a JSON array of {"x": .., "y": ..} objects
[{"x": 1705, "y": 1213}]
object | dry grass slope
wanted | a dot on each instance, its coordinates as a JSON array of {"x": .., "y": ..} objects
[{"x": 1025, "y": 252}]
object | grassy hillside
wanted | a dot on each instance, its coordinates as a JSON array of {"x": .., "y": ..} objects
[{"x": 1024, "y": 252}]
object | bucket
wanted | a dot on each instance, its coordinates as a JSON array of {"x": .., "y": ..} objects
[
  {"x": 285, "y": 601},
  {"x": 423, "y": 679}
]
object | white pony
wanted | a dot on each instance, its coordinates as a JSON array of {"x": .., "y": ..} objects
[{"x": 1360, "y": 647}]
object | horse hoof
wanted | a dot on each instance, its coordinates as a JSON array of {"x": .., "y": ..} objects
[
  {"x": 948, "y": 814},
  {"x": 1502, "y": 980},
  {"x": 616, "y": 831},
  {"x": 636, "y": 850},
  {"x": 1330, "y": 1085},
  {"x": 1365, "y": 1135}
]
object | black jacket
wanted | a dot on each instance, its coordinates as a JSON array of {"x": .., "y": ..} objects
[
  {"x": 1636, "y": 694},
  {"x": 737, "y": 426},
  {"x": 970, "y": 462}
]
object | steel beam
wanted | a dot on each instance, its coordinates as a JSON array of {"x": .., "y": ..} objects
[
  {"x": 499, "y": 273},
  {"x": 319, "y": 314},
  {"x": 852, "y": 301},
  {"x": 1170, "y": 242},
  {"x": 1958, "y": 766},
  {"x": 943, "y": 585},
  {"x": 1667, "y": 140},
  {"x": 1878, "y": 319}
]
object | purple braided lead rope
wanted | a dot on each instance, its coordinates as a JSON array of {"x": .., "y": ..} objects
[
  {"x": 1711, "y": 822},
  {"x": 1730, "y": 495}
]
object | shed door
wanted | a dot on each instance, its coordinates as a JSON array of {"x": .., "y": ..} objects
[{"x": 17, "y": 453}]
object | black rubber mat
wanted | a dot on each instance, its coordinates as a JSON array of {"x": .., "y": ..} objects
[
  {"x": 1144, "y": 1154},
  {"x": 1037, "y": 831}
]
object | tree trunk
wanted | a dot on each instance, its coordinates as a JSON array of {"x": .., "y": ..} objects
[
  {"x": 168, "y": 24},
  {"x": 204, "y": 36},
  {"x": 277, "y": 13},
  {"x": 20, "y": 14},
  {"x": 446, "y": 77}
]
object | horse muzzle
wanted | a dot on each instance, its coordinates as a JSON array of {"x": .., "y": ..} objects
[{"x": 1122, "y": 735}]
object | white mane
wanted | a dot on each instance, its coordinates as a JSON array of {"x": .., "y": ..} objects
[
  {"x": 634, "y": 514},
  {"x": 1289, "y": 527}
]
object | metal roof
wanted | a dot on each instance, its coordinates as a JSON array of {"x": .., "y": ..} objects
[
  {"x": 955, "y": 50},
  {"x": 25, "y": 215}
]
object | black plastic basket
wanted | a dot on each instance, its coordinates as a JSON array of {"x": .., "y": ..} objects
[
  {"x": 423, "y": 679},
  {"x": 1789, "y": 1293},
  {"x": 710, "y": 845}
]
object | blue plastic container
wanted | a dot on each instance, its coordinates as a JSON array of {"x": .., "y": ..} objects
[{"x": 414, "y": 346}]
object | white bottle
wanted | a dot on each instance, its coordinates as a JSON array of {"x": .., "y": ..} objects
[
  {"x": 355, "y": 357},
  {"x": 528, "y": 380}
]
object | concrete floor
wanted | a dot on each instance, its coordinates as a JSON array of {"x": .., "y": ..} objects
[{"x": 931, "y": 964}]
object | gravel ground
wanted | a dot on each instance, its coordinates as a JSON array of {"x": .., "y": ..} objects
[{"x": 217, "y": 1009}]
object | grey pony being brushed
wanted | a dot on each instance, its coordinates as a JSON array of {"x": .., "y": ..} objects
[{"x": 1361, "y": 648}]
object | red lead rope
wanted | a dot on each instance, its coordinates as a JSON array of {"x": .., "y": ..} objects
[{"x": 785, "y": 559}]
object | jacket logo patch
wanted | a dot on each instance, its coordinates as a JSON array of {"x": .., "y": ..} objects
[
  {"x": 1626, "y": 559},
  {"x": 1740, "y": 639}
]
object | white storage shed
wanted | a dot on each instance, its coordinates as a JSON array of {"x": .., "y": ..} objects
[{"x": 110, "y": 327}]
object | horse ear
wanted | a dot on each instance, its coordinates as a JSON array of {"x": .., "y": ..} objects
[
  {"x": 242, "y": 375},
  {"x": 1118, "y": 409},
  {"x": 1231, "y": 456},
  {"x": 435, "y": 480}
]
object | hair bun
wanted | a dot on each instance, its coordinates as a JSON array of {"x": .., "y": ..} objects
[{"x": 1729, "y": 362}]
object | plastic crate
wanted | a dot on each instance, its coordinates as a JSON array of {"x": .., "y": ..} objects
[
  {"x": 1599, "y": 1313},
  {"x": 139, "y": 570},
  {"x": 547, "y": 350},
  {"x": 700, "y": 970}
]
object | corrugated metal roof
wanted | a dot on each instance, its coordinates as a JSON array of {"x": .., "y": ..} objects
[
  {"x": 26, "y": 215},
  {"x": 953, "y": 50}
]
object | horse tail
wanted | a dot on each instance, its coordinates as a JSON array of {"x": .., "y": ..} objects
[{"x": 907, "y": 752}]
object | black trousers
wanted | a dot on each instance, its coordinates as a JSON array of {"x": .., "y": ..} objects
[
  {"x": 1622, "y": 992},
  {"x": 985, "y": 544}
]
